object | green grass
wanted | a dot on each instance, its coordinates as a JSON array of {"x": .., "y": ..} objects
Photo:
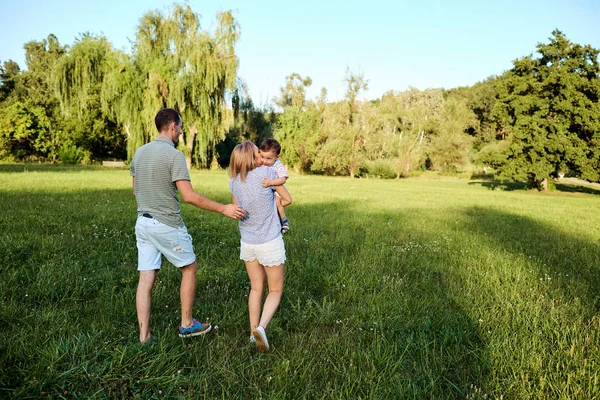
[{"x": 423, "y": 288}]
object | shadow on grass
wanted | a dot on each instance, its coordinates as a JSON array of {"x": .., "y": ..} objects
[
  {"x": 488, "y": 182},
  {"x": 555, "y": 253},
  {"x": 364, "y": 303},
  {"x": 493, "y": 185},
  {"x": 26, "y": 167},
  {"x": 369, "y": 288},
  {"x": 574, "y": 188}
]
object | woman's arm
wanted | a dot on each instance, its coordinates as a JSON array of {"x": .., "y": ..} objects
[{"x": 286, "y": 198}]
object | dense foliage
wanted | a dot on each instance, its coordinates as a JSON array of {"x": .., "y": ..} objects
[{"x": 89, "y": 101}]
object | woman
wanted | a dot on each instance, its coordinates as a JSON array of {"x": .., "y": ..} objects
[{"x": 261, "y": 246}]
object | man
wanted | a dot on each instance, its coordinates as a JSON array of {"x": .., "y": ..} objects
[{"x": 158, "y": 171}]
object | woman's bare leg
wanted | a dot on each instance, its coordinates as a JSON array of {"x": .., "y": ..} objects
[
  {"x": 275, "y": 282},
  {"x": 256, "y": 273}
]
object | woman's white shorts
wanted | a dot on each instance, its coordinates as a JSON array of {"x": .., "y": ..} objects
[{"x": 270, "y": 254}]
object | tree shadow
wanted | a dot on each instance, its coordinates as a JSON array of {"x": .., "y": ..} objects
[
  {"x": 573, "y": 188},
  {"x": 489, "y": 183},
  {"x": 552, "y": 251},
  {"x": 497, "y": 185},
  {"x": 27, "y": 167},
  {"x": 381, "y": 290},
  {"x": 361, "y": 295}
]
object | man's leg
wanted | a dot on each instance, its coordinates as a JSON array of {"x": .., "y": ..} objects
[
  {"x": 187, "y": 293},
  {"x": 143, "y": 302}
]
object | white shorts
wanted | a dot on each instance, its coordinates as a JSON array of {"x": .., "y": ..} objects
[
  {"x": 270, "y": 254},
  {"x": 154, "y": 238}
]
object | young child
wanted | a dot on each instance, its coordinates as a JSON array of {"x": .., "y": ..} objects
[{"x": 269, "y": 151}]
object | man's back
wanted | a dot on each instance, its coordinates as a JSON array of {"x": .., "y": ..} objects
[{"x": 156, "y": 167}]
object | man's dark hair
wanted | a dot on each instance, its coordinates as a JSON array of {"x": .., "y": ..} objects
[
  {"x": 270, "y": 144},
  {"x": 164, "y": 118}
]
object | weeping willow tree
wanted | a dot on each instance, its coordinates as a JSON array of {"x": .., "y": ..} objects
[
  {"x": 77, "y": 76},
  {"x": 190, "y": 70},
  {"x": 173, "y": 64},
  {"x": 122, "y": 101},
  {"x": 78, "y": 79}
]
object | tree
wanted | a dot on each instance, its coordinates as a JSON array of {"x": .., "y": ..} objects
[
  {"x": 449, "y": 142},
  {"x": 249, "y": 123},
  {"x": 24, "y": 130},
  {"x": 9, "y": 75},
  {"x": 417, "y": 115},
  {"x": 121, "y": 99},
  {"x": 78, "y": 78},
  {"x": 549, "y": 108},
  {"x": 342, "y": 134},
  {"x": 295, "y": 127},
  {"x": 174, "y": 64},
  {"x": 34, "y": 104},
  {"x": 293, "y": 94},
  {"x": 190, "y": 70}
]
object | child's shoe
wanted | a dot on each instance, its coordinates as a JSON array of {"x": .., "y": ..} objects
[{"x": 285, "y": 225}]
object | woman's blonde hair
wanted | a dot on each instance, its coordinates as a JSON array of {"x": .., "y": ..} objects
[{"x": 243, "y": 160}]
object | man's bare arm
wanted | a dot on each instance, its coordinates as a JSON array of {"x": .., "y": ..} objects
[{"x": 190, "y": 196}]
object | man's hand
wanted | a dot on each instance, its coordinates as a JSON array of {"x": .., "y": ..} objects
[
  {"x": 266, "y": 182},
  {"x": 233, "y": 211}
]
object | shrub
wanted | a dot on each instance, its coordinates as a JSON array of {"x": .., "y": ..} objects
[
  {"x": 70, "y": 154},
  {"x": 382, "y": 169}
]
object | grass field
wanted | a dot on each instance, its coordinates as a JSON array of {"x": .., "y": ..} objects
[{"x": 419, "y": 288}]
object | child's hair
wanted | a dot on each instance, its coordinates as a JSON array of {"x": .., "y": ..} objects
[
  {"x": 242, "y": 160},
  {"x": 270, "y": 144}
]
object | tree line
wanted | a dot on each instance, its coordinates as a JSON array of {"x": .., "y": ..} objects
[{"x": 89, "y": 102}]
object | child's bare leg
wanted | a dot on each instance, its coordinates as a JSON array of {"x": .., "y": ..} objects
[
  {"x": 285, "y": 224},
  {"x": 280, "y": 208}
]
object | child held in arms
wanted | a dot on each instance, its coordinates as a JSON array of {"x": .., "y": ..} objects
[{"x": 269, "y": 151}]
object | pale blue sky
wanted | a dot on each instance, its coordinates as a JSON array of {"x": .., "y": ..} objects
[{"x": 395, "y": 44}]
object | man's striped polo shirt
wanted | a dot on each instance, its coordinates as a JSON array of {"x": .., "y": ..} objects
[{"x": 155, "y": 168}]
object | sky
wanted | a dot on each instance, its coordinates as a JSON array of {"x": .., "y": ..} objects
[{"x": 393, "y": 44}]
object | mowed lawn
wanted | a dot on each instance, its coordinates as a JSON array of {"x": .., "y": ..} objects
[{"x": 434, "y": 287}]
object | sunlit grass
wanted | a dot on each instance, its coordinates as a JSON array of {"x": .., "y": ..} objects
[{"x": 435, "y": 288}]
